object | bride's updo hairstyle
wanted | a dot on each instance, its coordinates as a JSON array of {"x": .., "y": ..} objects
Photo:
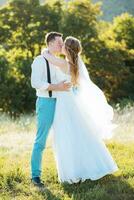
[{"x": 73, "y": 49}]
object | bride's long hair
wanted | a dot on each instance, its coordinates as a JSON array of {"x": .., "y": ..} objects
[{"x": 73, "y": 49}]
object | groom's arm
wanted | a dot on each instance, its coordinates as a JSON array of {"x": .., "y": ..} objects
[
  {"x": 37, "y": 81},
  {"x": 62, "y": 86}
]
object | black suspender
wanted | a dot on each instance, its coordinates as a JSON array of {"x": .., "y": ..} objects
[{"x": 48, "y": 76}]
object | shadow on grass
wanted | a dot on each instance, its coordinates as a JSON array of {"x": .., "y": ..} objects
[
  {"x": 108, "y": 188},
  {"x": 48, "y": 195}
]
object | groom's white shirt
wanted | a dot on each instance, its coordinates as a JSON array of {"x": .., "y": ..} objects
[{"x": 39, "y": 76}]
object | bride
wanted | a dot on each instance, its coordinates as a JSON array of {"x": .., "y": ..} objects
[{"x": 83, "y": 118}]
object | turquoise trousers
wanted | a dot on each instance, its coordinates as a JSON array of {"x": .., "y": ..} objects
[{"x": 45, "y": 109}]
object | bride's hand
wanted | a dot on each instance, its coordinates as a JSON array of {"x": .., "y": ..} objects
[{"x": 44, "y": 52}]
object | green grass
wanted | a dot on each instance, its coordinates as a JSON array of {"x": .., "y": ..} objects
[
  {"x": 15, "y": 182},
  {"x": 16, "y": 140}
]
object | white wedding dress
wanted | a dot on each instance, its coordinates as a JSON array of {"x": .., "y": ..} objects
[{"x": 82, "y": 120}]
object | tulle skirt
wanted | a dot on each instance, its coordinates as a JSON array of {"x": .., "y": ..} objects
[{"x": 80, "y": 153}]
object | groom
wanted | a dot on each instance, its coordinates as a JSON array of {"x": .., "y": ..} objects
[{"x": 44, "y": 80}]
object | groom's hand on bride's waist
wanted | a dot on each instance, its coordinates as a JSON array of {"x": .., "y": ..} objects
[{"x": 62, "y": 86}]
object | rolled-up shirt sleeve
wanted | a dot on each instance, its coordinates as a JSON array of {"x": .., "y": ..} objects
[{"x": 38, "y": 74}]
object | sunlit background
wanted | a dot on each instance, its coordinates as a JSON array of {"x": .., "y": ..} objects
[{"x": 106, "y": 30}]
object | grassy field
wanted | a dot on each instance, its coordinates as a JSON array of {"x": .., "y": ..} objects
[{"x": 16, "y": 140}]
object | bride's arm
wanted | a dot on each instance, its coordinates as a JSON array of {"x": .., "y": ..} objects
[{"x": 62, "y": 63}]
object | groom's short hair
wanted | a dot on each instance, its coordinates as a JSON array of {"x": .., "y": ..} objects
[{"x": 51, "y": 36}]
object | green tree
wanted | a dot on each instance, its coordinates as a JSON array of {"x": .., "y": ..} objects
[
  {"x": 123, "y": 29},
  {"x": 23, "y": 28},
  {"x": 117, "y": 38}
]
